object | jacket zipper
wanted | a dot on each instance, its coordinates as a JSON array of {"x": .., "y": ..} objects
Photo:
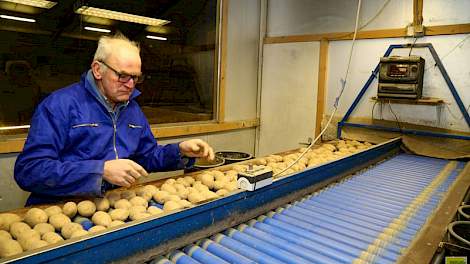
[
  {"x": 85, "y": 125},
  {"x": 134, "y": 126},
  {"x": 114, "y": 134}
]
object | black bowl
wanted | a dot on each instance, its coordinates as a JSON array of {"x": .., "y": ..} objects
[{"x": 233, "y": 156}]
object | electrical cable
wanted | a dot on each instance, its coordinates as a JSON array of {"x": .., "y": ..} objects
[
  {"x": 396, "y": 118},
  {"x": 373, "y": 107},
  {"x": 335, "y": 106},
  {"x": 412, "y": 45},
  {"x": 371, "y": 19},
  {"x": 454, "y": 116},
  {"x": 460, "y": 44}
]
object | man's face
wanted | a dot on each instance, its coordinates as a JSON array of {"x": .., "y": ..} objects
[{"x": 113, "y": 80}]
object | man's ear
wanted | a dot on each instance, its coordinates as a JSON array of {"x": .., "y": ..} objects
[{"x": 96, "y": 69}]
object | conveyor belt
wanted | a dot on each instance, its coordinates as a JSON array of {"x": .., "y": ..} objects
[{"x": 370, "y": 217}]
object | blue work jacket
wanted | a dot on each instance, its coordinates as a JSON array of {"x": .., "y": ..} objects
[{"x": 73, "y": 133}]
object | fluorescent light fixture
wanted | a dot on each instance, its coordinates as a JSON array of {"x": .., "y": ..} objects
[
  {"x": 98, "y": 12},
  {"x": 35, "y": 3},
  {"x": 14, "y": 127},
  {"x": 30, "y": 20},
  {"x": 155, "y": 37},
  {"x": 98, "y": 29}
]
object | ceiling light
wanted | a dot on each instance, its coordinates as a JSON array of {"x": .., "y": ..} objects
[
  {"x": 98, "y": 12},
  {"x": 155, "y": 37},
  {"x": 35, "y": 3},
  {"x": 98, "y": 29},
  {"x": 18, "y": 18}
]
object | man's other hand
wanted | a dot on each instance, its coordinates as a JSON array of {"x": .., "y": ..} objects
[
  {"x": 196, "y": 148},
  {"x": 122, "y": 172}
]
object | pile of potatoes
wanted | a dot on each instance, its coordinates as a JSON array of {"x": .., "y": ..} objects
[
  {"x": 41, "y": 227},
  {"x": 318, "y": 155}
]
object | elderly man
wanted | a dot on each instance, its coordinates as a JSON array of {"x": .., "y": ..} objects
[{"x": 92, "y": 135}]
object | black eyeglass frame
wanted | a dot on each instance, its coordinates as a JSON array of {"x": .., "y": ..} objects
[{"x": 124, "y": 77}]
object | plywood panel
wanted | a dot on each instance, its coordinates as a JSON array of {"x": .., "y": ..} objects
[{"x": 289, "y": 95}]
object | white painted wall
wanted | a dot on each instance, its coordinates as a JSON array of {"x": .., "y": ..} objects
[
  {"x": 242, "y": 60},
  {"x": 444, "y": 12},
  {"x": 289, "y": 95},
  {"x": 317, "y": 16}
]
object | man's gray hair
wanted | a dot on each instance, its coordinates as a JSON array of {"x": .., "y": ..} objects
[{"x": 105, "y": 45}]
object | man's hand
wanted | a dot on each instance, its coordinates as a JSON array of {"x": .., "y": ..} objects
[
  {"x": 122, "y": 172},
  {"x": 196, "y": 148}
]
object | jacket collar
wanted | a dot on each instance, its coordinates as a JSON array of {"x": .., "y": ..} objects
[{"x": 88, "y": 81}]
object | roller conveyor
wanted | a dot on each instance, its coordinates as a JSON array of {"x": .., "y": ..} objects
[
  {"x": 371, "y": 217},
  {"x": 314, "y": 216}
]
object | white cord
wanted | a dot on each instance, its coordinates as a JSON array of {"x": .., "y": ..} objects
[
  {"x": 335, "y": 106},
  {"x": 460, "y": 44},
  {"x": 454, "y": 116}
]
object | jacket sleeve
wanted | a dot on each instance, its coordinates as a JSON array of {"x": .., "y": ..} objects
[
  {"x": 155, "y": 157},
  {"x": 39, "y": 168}
]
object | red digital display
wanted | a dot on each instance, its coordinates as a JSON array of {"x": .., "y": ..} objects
[{"x": 398, "y": 70}]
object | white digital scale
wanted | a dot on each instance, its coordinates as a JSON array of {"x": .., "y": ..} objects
[{"x": 255, "y": 177}]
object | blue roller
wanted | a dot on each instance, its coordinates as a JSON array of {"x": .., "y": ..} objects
[
  {"x": 351, "y": 237},
  {"x": 202, "y": 256},
  {"x": 275, "y": 252},
  {"x": 179, "y": 257},
  {"x": 329, "y": 238},
  {"x": 293, "y": 245},
  {"x": 244, "y": 250},
  {"x": 356, "y": 208},
  {"x": 334, "y": 211},
  {"x": 224, "y": 253}
]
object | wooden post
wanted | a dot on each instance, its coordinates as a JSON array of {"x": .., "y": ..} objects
[
  {"x": 418, "y": 16},
  {"x": 223, "y": 61},
  {"x": 322, "y": 79}
]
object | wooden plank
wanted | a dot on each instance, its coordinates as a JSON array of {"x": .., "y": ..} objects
[
  {"x": 426, "y": 243},
  {"x": 185, "y": 130},
  {"x": 422, "y": 101},
  {"x": 223, "y": 61},
  {"x": 371, "y": 34},
  {"x": 322, "y": 83},
  {"x": 447, "y": 29},
  {"x": 16, "y": 144}
]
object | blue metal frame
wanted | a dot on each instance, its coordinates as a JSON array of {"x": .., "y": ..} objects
[
  {"x": 455, "y": 94},
  {"x": 145, "y": 235}
]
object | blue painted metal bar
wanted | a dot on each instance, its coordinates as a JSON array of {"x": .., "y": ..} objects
[{"x": 450, "y": 85}]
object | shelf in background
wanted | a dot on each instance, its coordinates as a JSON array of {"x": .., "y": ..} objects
[{"x": 422, "y": 101}]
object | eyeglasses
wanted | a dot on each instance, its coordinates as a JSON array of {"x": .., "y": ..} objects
[{"x": 124, "y": 77}]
